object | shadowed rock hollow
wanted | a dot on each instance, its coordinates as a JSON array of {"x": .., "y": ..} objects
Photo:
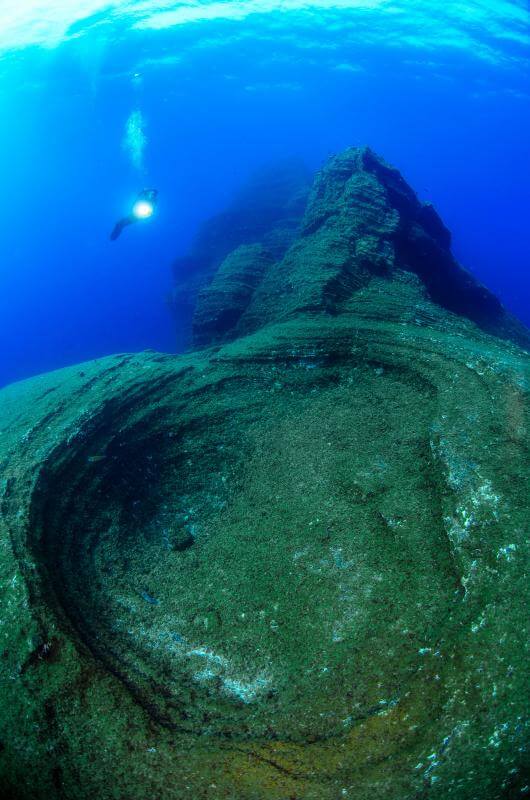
[{"x": 292, "y": 563}]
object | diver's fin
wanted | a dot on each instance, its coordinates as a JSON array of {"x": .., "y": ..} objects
[{"x": 117, "y": 229}]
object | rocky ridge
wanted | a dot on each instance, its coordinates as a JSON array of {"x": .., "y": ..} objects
[{"x": 363, "y": 227}]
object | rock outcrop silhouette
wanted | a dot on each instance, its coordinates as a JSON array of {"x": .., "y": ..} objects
[{"x": 291, "y": 563}]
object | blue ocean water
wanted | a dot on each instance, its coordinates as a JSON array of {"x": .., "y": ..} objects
[{"x": 99, "y": 99}]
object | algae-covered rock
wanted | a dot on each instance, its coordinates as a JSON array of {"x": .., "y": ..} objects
[
  {"x": 294, "y": 564},
  {"x": 266, "y": 211},
  {"x": 223, "y": 302}
]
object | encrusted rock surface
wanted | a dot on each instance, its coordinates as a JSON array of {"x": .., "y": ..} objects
[
  {"x": 363, "y": 222},
  {"x": 292, "y": 564},
  {"x": 227, "y": 297},
  {"x": 268, "y": 210}
]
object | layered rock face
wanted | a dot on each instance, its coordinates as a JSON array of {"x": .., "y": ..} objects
[
  {"x": 292, "y": 563},
  {"x": 362, "y": 223},
  {"x": 268, "y": 209}
]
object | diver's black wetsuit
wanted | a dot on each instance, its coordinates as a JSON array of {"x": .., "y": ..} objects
[
  {"x": 147, "y": 195},
  {"x": 117, "y": 229}
]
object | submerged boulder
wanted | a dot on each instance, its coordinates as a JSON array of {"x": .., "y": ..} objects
[{"x": 292, "y": 564}]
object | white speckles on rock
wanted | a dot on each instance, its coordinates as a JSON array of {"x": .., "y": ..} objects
[
  {"x": 249, "y": 691},
  {"x": 481, "y": 622},
  {"x": 507, "y": 552},
  {"x": 220, "y": 672},
  {"x": 499, "y": 732}
]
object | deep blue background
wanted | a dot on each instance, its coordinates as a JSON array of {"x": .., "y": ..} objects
[{"x": 457, "y": 127}]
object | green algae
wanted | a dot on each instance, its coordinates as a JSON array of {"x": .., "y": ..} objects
[{"x": 290, "y": 566}]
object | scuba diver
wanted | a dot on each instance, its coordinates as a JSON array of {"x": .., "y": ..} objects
[{"x": 143, "y": 208}]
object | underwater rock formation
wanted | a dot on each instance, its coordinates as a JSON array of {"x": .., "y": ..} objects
[
  {"x": 268, "y": 209},
  {"x": 293, "y": 563},
  {"x": 221, "y": 305},
  {"x": 363, "y": 227}
]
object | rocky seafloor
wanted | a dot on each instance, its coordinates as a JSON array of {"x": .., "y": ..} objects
[{"x": 291, "y": 564}]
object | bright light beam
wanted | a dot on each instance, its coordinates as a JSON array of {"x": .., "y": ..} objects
[{"x": 142, "y": 209}]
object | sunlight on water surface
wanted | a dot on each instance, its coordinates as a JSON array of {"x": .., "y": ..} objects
[{"x": 485, "y": 27}]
